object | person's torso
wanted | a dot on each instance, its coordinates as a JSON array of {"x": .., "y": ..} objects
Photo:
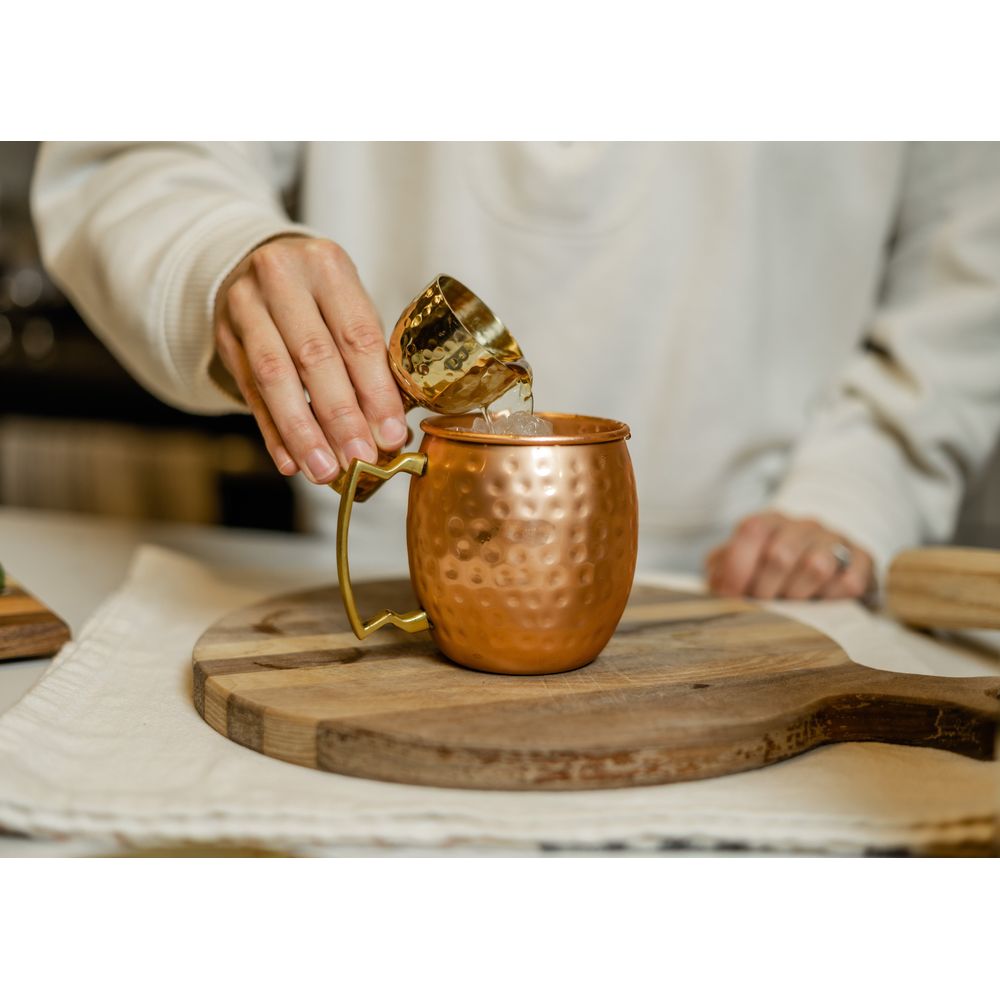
[{"x": 706, "y": 294}]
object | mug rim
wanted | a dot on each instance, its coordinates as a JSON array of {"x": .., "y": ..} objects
[{"x": 600, "y": 430}]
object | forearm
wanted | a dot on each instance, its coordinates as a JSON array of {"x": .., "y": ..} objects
[
  {"x": 142, "y": 235},
  {"x": 915, "y": 414}
]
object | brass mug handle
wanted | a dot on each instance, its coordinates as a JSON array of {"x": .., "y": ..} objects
[{"x": 415, "y": 463}]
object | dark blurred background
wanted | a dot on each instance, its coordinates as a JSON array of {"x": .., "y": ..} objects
[{"x": 78, "y": 433}]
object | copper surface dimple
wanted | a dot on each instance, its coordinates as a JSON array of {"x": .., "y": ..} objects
[
  {"x": 482, "y": 529},
  {"x": 516, "y": 555}
]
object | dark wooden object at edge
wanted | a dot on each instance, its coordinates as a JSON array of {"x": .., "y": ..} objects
[{"x": 27, "y": 627}]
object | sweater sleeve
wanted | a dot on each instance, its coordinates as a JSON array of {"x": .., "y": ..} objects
[
  {"x": 141, "y": 235},
  {"x": 914, "y": 414}
]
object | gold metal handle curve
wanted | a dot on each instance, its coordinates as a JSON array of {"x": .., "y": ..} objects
[{"x": 410, "y": 621}]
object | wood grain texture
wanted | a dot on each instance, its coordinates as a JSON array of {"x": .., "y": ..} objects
[
  {"x": 27, "y": 627},
  {"x": 689, "y": 687},
  {"x": 945, "y": 587}
]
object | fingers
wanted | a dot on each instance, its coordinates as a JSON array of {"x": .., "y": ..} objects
[
  {"x": 855, "y": 580},
  {"x": 234, "y": 358},
  {"x": 815, "y": 570},
  {"x": 781, "y": 557},
  {"x": 771, "y": 556},
  {"x": 277, "y": 379},
  {"x": 319, "y": 365},
  {"x": 352, "y": 318},
  {"x": 737, "y": 564}
]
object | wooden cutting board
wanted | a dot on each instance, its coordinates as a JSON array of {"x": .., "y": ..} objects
[
  {"x": 689, "y": 687},
  {"x": 27, "y": 627}
]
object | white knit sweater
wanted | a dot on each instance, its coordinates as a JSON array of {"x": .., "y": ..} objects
[{"x": 715, "y": 297}]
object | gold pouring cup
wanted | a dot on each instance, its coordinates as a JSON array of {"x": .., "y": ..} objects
[
  {"x": 522, "y": 550},
  {"x": 450, "y": 353}
]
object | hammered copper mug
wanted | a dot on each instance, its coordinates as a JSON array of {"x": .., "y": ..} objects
[{"x": 522, "y": 550}]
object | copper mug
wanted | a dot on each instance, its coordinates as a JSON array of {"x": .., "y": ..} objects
[{"x": 522, "y": 550}]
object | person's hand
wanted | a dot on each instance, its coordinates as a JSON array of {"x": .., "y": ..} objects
[
  {"x": 770, "y": 555},
  {"x": 293, "y": 318}
]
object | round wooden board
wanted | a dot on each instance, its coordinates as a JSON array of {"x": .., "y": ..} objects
[{"x": 689, "y": 687}]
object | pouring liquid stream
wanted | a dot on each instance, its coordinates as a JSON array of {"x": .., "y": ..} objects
[{"x": 520, "y": 421}]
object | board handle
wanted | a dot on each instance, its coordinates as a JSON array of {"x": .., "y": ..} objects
[
  {"x": 959, "y": 714},
  {"x": 945, "y": 587}
]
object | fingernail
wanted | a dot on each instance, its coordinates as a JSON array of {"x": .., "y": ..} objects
[
  {"x": 285, "y": 463},
  {"x": 321, "y": 464},
  {"x": 359, "y": 448},
  {"x": 391, "y": 433}
]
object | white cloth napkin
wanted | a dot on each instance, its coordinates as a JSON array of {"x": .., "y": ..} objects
[{"x": 109, "y": 744}]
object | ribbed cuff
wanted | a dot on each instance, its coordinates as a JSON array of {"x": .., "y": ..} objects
[{"x": 199, "y": 266}]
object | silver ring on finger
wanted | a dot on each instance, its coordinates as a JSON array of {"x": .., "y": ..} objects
[{"x": 842, "y": 554}]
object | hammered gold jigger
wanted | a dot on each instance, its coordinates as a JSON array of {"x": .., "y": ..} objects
[
  {"x": 448, "y": 353},
  {"x": 522, "y": 550}
]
